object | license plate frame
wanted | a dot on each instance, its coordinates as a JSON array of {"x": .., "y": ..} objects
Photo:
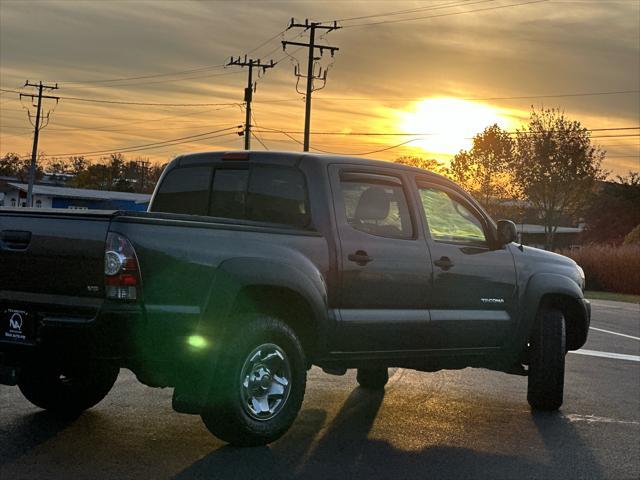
[{"x": 17, "y": 325}]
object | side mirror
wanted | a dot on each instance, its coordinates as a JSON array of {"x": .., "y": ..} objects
[{"x": 507, "y": 232}]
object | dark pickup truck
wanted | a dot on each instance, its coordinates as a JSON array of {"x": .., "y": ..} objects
[{"x": 250, "y": 267}]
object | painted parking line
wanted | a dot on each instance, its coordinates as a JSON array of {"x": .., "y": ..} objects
[
  {"x": 614, "y": 333},
  {"x": 574, "y": 417},
  {"x": 617, "y": 356}
]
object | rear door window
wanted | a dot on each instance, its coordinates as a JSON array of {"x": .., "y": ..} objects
[
  {"x": 376, "y": 207},
  {"x": 184, "y": 190}
]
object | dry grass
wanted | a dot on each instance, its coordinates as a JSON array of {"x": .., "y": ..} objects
[{"x": 609, "y": 268}]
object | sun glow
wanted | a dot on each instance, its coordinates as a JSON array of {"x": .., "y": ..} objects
[{"x": 451, "y": 122}]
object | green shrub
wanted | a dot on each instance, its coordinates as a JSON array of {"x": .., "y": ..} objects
[{"x": 609, "y": 268}]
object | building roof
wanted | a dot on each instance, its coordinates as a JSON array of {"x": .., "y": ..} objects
[
  {"x": 84, "y": 193},
  {"x": 531, "y": 228}
]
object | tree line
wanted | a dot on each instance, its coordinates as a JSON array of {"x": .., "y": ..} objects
[
  {"x": 114, "y": 172},
  {"x": 551, "y": 164}
]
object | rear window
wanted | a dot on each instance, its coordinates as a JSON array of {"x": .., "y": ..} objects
[
  {"x": 229, "y": 193},
  {"x": 262, "y": 194},
  {"x": 184, "y": 190}
]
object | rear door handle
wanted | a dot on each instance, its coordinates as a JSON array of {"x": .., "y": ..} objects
[
  {"x": 360, "y": 257},
  {"x": 15, "y": 239},
  {"x": 444, "y": 263}
]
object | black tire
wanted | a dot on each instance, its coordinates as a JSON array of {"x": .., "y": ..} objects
[
  {"x": 264, "y": 349},
  {"x": 547, "y": 352},
  {"x": 373, "y": 378},
  {"x": 67, "y": 390}
]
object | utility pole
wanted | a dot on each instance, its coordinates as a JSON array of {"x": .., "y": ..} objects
[
  {"x": 143, "y": 166},
  {"x": 37, "y": 126},
  {"x": 249, "y": 90},
  {"x": 312, "y": 27}
]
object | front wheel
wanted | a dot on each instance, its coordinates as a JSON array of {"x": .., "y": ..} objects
[
  {"x": 67, "y": 390},
  {"x": 546, "y": 361},
  {"x": 259, "y": 385}
]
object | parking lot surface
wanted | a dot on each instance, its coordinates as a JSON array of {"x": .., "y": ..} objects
[{"x": 451, "y": 424}]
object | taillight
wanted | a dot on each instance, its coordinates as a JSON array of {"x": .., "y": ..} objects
[{"x": 121, "y": 269}]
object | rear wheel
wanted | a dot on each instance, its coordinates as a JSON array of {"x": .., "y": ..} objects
[
  {"x": 546, "y": 361},
  {"x": 373, "y": 378},
  {"x": 259, "y": 385},
  {"x": 67, "y": 390}
]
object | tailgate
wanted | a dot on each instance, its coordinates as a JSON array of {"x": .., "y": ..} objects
[{"x": 53, "y": 253}]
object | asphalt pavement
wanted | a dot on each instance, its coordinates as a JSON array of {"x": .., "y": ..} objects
[{"x": 469, "y": 423}]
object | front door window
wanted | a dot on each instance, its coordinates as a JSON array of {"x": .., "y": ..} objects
[{"x": 449, "y": 220}]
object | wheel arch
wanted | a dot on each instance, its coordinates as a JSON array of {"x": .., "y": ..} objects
[
  {"x": 553, "y": 291},
  {"x": 284, "y": 303},
  {"x": 295, "y": 292},
  {"x": 576, "y": 324}
]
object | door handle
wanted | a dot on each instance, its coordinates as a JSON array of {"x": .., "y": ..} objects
[
  {"x": 360, "y": 257},
  {"x": 444, "y": 263},
  {"x": 14, "y": 239}
]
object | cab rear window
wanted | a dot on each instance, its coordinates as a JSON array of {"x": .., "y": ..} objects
[
  {"x": 260, "y": 193},
  {"x": 184, "y": 190}
]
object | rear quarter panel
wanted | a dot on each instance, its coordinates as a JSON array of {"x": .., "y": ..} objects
[{"x": 192, "y": 271}]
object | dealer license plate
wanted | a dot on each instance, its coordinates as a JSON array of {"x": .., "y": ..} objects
[{"x": 16, "y": 326}]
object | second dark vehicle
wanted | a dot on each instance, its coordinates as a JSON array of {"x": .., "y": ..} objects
[{"x": 249, "y": 267}]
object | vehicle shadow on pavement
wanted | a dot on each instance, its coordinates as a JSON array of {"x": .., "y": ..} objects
[
  {"x": 344, "y": 450},
  {"x": 29, "y": 432},
  {"x": 260, "y": 462}
]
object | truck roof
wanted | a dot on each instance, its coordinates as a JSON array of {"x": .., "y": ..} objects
[{"x": 293, "y": 159}]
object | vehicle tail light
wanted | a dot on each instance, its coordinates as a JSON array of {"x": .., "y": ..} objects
[{"x": 121, "y": 269}]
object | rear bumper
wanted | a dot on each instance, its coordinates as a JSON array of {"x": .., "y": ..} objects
[{"x": 111, "y": 333}]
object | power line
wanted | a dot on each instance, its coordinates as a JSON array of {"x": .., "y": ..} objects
[
  {"x": 156, "y": 147},
  {"x": 389, "y": 134},
  {"x": 371, "y": 151},
  {"x": 520, "y": 97},
  {"x": 413, "y": 10},
  {"x": 253, "y": 119},
  {"x": 181, "y": 79},
  {"x": 269, "y": 40},
  {"x": 392, "y": 147},
  {"x": 146, "y": 104},
  {"x": 141, "y": 77},
  {"x": 260, "y": 141},
  {"x": 142, "y": 146},
  {"x": 617, "y": 136},
  {"x": 444, "y": 14},
  {"x": 174, "y": 73}
]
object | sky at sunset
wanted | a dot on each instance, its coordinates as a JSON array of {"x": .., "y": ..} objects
[{"x": 439, "y": 71}]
